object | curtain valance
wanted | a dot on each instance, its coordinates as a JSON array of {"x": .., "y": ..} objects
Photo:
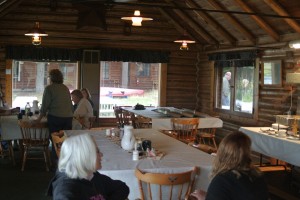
[
  {"x": 132, "y": 55},
  {"x": 235, "y": 58},
  {"x": 106, "y": 54},
  {"x": 43, "y": 53}
]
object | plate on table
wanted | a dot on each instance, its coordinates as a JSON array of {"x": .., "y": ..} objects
[{"x": 269, "y": 131}]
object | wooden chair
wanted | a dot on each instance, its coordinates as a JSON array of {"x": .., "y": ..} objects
[
  {"x": 166, "y": 186},
  {"x": 57, "y": 140},
  {"x": 185, "y": 128},
  {"x": 123, "y": 117},
  {"x": 207, "y": 135},
  {"x": 142, "y": 122},
  {"x": 35, "y": 135}
]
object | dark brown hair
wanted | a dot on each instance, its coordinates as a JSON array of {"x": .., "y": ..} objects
[{"x": 56, "y": 76}]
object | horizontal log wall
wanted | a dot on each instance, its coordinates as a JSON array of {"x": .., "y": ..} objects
[{"x": 272, "y": 100}]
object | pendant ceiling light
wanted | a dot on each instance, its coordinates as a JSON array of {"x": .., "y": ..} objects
[
  {"x": 137, "y": 18},
  {"x": 184, "y": 40},
  {"x": 295, "y": 44},
  {"x": 36, "y": 34}
]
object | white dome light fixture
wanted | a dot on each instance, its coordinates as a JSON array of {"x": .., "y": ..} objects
[
  {"x": 295, "y": 44},
  {"x": 185, "y": 40},
  {"x": 137, "y": 18},
  {"x": 36, "y": 33}
]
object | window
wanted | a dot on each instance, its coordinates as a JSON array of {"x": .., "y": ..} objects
[
  {"x": 271, "y": 72},
  {"x": 235, "y": 88},
  {"x": 105, "y": 71},
  {"x": 30, "y": 78},
  {"x": 128, "y": 83},
  {"x": 142, "y": 69}
]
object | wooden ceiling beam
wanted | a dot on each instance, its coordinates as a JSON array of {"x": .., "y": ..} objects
[
  {"x": 192, "y": 23},
  {"x": 281, "y": 11},
  {"x": 264, "y": 25},
  {"x": 8, "y": 5},
  {"x": 211, "y": 22},
  {"x": 240, "y": 27}
]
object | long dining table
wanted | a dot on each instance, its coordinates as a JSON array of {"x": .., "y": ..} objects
[
  {"x": 178, "y": 157},
  {"x": 161, "y": 120},
  {"x": 283, "y": 148}
]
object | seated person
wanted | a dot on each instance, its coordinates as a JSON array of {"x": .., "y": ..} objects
[
  {"x": 233, "y": 175},
  {"x": 86, "y": 94},
  {"x": 77, "y": 176},
  {"x": 83, "y": 111}
]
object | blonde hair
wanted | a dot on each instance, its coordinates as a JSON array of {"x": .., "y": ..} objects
[
  {"x": 234, "y": 153},
  {"x": 78, "y": 156}
]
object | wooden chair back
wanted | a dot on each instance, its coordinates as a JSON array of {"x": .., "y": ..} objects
[
  {"x": 123, "y": 117},
  {"x": 57, "y": 140},
  {"x": 92, "y": 120},
  {"x": 207, "y": 135},
  {"x": 166, "y": 186},
  {"x": 142, "y": 122},
  {"x": 185, "y": 128},
  {"x": 35, "y": 135}
]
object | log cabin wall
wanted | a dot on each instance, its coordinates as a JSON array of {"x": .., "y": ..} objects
[{"x": 272, "y": 100}]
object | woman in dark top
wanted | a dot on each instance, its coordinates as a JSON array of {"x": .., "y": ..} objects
[
  {"x": 77, "y": 177},
  {"x": 233, "y": 175}
]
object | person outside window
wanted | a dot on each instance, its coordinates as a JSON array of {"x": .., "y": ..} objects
[
  {"x": 77, "y": 177},
  {"x": 226, "y": 89},
  {"x": 233, "y": 175}
]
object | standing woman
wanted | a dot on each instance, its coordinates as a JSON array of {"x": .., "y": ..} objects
[
  {"x": 56, "y": 105},
  {"x": 86, "y": 94},
  {"x": 233, "y": 175}
]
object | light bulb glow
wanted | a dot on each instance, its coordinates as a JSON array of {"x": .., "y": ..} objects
[{"x": 36, "y": 40}]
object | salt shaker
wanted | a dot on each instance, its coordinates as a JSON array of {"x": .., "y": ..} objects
[{"x": 135, "y": 155}]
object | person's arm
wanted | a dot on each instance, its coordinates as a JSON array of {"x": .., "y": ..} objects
[
  {"x": 198, "y": 195},
  {"x": 45, "y": 104}
]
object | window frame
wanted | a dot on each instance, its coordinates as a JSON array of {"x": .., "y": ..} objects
[
  {"x": 276, "y": 61},
  {"x": 231, "y": 111}
]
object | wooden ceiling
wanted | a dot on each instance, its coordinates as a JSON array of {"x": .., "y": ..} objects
[{"x": 214, "y": 24}]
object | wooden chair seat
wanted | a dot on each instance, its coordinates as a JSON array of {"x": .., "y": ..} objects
[{"x": 166, "y": 186}]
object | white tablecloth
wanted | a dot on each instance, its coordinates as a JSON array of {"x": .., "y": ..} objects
[
  {"x": 10, "y": 129},
  {"x": 179, "y": 157},
  {"x": 207, "y": 122},
  {"x": 162, "y": 121},
  {"x": 273, "y": 146}
]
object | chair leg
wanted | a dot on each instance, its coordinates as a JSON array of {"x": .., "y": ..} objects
[
  {"x": 46, "y": 159},
  {"x": 24, "y": 158},
  {"x": 11, "y": 153}
]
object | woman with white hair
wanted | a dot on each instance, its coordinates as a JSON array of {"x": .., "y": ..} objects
[{"x": 77, "y": 176}]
